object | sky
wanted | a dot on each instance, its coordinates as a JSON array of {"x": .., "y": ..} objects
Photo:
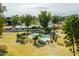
[{"x": 34, "y": 9}]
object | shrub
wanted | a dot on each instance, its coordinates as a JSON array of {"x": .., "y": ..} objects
[
  {"x": 3, "y": 50},
  {"x": 35, "y": 38}
]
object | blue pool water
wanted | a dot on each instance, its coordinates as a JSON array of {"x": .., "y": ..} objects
[{"x": 41, "y": 36}]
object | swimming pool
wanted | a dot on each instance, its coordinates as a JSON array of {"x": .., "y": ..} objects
[{"x": 41, "y": 37}]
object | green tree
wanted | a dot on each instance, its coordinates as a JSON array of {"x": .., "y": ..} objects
[
  {"x": 22, "y": 19},
  {"x": 15, "y": 20},
  {"x": 35, "y": 20},
  {"x": 44, "y": 18},
  {"x": 27, "y": 20},
  {"x": 2, "y": 9},
  {"x": 55, "y": 20},
  {"x": 2, "y": 24},
  {"x": 62, "y": 18},
  {"x": 71, "y": 29},
  {"x": 2, "y": 18}
]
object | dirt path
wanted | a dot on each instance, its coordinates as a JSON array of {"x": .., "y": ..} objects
[{"x": 57, "y": 50}]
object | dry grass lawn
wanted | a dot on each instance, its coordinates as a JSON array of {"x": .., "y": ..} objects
[{"x": 15, "y": 49}]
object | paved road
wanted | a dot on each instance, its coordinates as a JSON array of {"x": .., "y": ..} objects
[{"x": 33, "y": 30}]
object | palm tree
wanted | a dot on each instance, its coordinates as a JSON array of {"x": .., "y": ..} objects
[
  {"x": 71, "y": 29},
  {"x": 44, "y": 18}
]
